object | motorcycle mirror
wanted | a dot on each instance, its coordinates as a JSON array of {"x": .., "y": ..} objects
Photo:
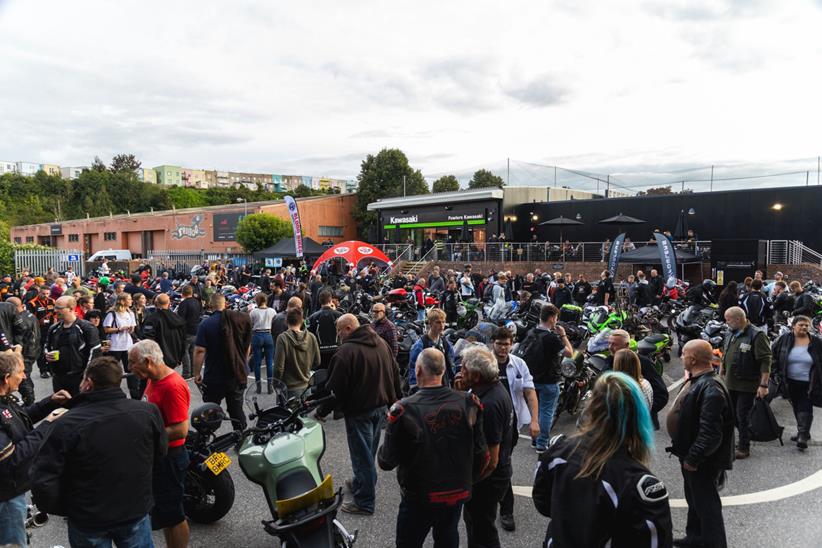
[{"x": 318, "y": 377}]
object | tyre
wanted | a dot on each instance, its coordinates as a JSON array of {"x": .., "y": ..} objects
[
  {"x": 471, "y": 320},
  {"x": 208, "y": 497}
]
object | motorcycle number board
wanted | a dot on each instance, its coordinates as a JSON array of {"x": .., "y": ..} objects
[{"x": 217, "y": 462}]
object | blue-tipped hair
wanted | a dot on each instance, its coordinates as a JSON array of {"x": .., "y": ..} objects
[{"x": 643, "y": 415}]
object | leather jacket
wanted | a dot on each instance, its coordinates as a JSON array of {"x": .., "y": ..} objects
[
  {"x": 436, "y": 439},
  {"x": 705, "y": 429},
  {"x": 625, "y": 507},
  {"x": 322, "y": 324},
  {"x": 20, "y": 442}
]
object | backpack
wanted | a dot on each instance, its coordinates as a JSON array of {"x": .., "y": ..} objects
[
  {"x": 530, "y": 350},
  {"x": 763, "y": 425}
]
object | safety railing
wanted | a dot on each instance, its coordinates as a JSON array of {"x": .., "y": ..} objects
[
  {"x": 547, "y": 251},
  {"x": 792, "y": 252}
]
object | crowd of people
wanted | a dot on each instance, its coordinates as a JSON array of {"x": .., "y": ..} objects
[{"x": 449, "y": 427}]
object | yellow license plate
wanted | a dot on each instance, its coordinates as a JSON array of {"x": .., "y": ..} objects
[{"x": 218, "y": 462}]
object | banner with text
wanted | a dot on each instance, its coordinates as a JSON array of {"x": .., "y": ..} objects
[
  {"x": 295, "y": 222},
  {"x": 667, "y": 256},
  {"x": 616, "y": 253}
]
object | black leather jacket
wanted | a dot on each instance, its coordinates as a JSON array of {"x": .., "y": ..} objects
[
  {"x": 625, "y": 507},
  {"x": 20, "y": 442},
  {"x": 705, "y": 429},
  {"x": 435, "y": 437},
  {"x": 322, "y": 324}
]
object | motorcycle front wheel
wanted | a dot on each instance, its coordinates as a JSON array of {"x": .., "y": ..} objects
[{"x": 208, "y": 497}]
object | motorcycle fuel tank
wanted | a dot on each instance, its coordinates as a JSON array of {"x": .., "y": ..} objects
[{"x": 264, "y": 463}]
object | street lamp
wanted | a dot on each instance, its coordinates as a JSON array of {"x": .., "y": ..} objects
[
  {"x": 245, "y": 208},
  {"x": 777, "y": 207}
]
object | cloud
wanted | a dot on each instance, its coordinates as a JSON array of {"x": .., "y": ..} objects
[{"x": 539, "y": 92}]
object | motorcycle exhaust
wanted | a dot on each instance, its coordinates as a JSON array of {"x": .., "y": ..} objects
[{"x": 35, "y": 518}]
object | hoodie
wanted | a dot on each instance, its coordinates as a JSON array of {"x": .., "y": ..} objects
[
  {"x": 297, "y": 353},
  {"x": 363, "y": 374},
  {"x": 168, "y": 330}
]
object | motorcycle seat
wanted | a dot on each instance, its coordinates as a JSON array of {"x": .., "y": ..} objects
[{"x": 655, "y": 338}]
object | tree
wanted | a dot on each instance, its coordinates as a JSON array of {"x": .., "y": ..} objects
[
  {"x": 303, "y": 191},
  {"x": 381, "y": 176},
  {"x": 485, "y": 179},
  {"x": 183, "y": 197},
  {"x": 658, "y": 191},
  {"x": 98, "y": 165},
  {"x": 446, "y": 183},
  {"x": 125, "y": 162},
  {"x": 261, "y": 230}
]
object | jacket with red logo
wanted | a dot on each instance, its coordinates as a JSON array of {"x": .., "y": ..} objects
[{"x": 435, "y": 437}]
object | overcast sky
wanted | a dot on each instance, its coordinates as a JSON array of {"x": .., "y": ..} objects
[{"x": 312, "y": 87}]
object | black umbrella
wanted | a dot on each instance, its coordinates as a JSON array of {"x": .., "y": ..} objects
[
  {"x": 681, "y": 230},
  {"x": 509, "y": 230},
  {"x": 465, "y": 236},
  {"x": 620, "y": 220},
  {"x": 397, "y": 234},
  {"x": 560, "y": 222}
]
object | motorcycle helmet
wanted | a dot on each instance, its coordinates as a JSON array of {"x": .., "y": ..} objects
[
  {"x": 207, "y": 418},
  {"x": 512, "y": 327},
  {"x": 708, "y": 284}
]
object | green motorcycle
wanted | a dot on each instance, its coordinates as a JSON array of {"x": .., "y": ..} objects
[{"x": 281, "y": 453}]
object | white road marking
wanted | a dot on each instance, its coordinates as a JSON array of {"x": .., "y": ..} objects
[{"x": 810, "y": 483}]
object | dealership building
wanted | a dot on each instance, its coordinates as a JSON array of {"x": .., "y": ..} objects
[{"x": 211, "y": 229}]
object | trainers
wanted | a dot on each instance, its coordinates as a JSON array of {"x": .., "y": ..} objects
[
  {"x": 540, "y": 450},
  {"x": 507, "y": 522},
  {"x": 352, "y": 508},
  {"x": 742, "y": 454}
]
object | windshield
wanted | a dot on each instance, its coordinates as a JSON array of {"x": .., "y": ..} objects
[{"x": 277, "y": 398}]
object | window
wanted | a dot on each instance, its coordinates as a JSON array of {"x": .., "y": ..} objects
[
  {"x": 109, "y": 236},
  {"x": 74, "y": 237},
  {"x": 331, "y": 230},
  {"x": 29, "y": 239},
  {"x": 18, "y": 239}
]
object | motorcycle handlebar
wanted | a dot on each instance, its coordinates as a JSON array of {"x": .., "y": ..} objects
[{"x": 304, "y": 407}]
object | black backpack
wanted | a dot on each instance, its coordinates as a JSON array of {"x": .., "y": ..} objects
[
  {"x": 763, "y": 425},
  {"x": 530, "y": 350}
]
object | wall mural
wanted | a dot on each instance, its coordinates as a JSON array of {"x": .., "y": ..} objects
[{"x": 189, "y": 231}]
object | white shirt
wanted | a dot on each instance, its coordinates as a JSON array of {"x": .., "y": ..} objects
[
  {"x": 120, "y": 342},
  {"x": 519, "y": 378}
]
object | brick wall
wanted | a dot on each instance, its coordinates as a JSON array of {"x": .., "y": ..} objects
[{"x": 803, "y": 272}]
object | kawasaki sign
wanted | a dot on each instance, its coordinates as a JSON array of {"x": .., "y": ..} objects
[{"x": 440, "y": 216}]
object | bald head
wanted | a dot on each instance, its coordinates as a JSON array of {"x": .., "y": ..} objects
[
  {"x": 697, "y": 355},
  {"x": 430, "y": 367},
  {"x": 346, "y": 324},
  {"x": 161, "y": 301},
  {"x": 18, "y": 304}
]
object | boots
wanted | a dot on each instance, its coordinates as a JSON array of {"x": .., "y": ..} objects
[
  {"x": 270, "y": 387},
  {"x": 803, "y": 426},
  {"x": 259, "y": 387}
]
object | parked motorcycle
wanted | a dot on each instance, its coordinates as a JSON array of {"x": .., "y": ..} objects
[
  {"x": 281, "y": 453},
  {"x": 579, "y": 373},
  {"x": 689, "y": 323},
  {"x": 209, "y": 489},
  {"x": 657, "y": 348}
]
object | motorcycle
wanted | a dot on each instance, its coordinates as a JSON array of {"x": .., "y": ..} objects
[
  {"x": 689, "y": 323},
  {"x": 469, "y": 313},
  {"x": 579, "y": 373},
  {"x": 281, "y": 453},
  {"x": 209, "y": 489},
  {"x": 603, "y": 317},
  {"x": 657, "y": 348}
]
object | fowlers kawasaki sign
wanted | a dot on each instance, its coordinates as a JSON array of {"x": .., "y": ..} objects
[{"x": 404, "y": 220}]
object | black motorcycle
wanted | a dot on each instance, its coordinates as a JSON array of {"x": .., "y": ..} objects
[
  {"x": 579, "y": 373},
  {"x": 209, "y": 489}
]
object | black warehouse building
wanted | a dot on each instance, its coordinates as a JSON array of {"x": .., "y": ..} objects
[{"x": 789, "y": 213}]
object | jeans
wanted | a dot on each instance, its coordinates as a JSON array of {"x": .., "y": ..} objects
[
  {"x": 743, "y": 402},
  {"x": 705, "y": 525},
  {"x": 188, "y": 356},
  {"x": 134, "y": 535},
  {"x": 801, "y": 403},
  {"x": 262, "y": 344},
  {"x": 136, "y": 386},
  {"x": 480, "y": 513},
  {"x": 363, "y": 433},
  {"x": 421, "y": 315},
  {"x": 415, "y": 520},
  {"x": 13, "y": 521},
  {"x": 232, "y": 392},
  {"x": 547, "y": 395}
]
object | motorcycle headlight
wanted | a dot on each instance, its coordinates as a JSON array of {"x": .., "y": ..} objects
[
  {"x": 568, "y": 368},
  {"x": 716, "y": 341}
]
